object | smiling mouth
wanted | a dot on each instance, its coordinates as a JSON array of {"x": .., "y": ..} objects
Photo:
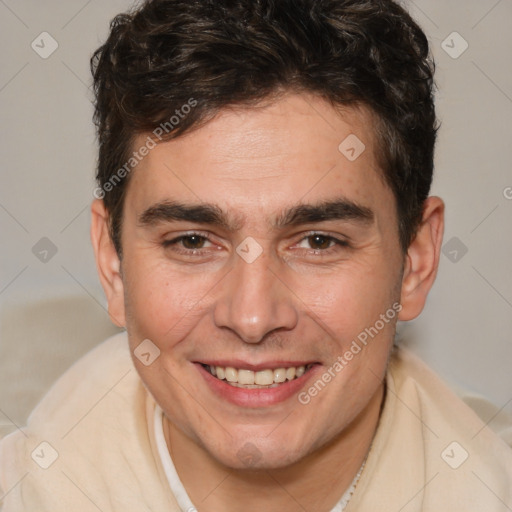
[{"x": 263, "y": 379}]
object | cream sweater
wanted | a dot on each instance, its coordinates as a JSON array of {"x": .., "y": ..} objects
[{"x": 89, "y": 445}]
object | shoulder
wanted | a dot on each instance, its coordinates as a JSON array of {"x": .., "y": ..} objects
[
  {"x": 89, "y": 431},
  {"x": 458, "y": 447},
  {"x": 431, "y": 451},
  {"x": 412, "y": 378}
]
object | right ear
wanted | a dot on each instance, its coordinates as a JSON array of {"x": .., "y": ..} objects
[{"x": 107, "y": 262}]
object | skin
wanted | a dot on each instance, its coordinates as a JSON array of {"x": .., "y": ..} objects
[{"x": 299, "y": 300}]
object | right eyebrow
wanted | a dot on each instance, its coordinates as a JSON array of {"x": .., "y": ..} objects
[{"x": 169, "y": 211}]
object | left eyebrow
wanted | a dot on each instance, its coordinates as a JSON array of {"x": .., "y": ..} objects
[{"x": 341, "y": 209}]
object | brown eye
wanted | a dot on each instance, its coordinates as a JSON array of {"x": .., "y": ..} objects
[
  {"x": 319, "y": 241},
  {"x": 193, "y": 241},
  {"x": 322, "y": 244},
  {"x": 187, "y": 243}
]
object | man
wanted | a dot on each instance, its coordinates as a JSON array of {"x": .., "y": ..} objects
[{"x": 262, "y": 221}]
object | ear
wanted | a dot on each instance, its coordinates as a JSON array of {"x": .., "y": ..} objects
[
  {"x": 422, "y": 260},
  {"x": 107, "y": 262}
]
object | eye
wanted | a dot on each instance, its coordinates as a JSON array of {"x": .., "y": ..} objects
[
  {"x": 190, "y": 242},
  {"x": 320, "y": 242},
  {"x": 193, "y": 241}
]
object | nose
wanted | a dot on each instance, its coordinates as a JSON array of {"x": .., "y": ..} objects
[{"x": 254, "y": 301}]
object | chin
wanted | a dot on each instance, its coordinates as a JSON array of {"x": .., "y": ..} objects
[{"x": 259, "y": 454}]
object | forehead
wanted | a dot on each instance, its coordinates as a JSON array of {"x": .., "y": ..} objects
[{"x": 297, "y": 149}]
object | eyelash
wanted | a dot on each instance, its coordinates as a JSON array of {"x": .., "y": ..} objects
[
  {"x": 175, "y": 241},
  {"x": 194, "y": 252}
]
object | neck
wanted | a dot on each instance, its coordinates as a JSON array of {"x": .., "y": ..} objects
[{"x": 316, "y": 482}]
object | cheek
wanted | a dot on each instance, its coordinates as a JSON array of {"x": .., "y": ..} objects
[
  {"x": 160, "y": 303},
  {"x": 347, "y": 301}
]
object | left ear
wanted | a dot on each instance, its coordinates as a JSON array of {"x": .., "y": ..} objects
[{"x": 422, "y": 259}]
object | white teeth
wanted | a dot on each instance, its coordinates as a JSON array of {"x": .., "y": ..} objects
[
  {"x": 264, "y": 378},
  {"x": 231, "y": 374},
  {"x": 280, "y": 375},
  {"x": 250, "y": 379},
  {"x": 251, "y": 386},
  {"x": 246, "y": 377},
  {"x": 290, "y": 373}
]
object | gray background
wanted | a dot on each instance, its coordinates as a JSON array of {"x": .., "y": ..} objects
[{"x": 53, "y": 311}]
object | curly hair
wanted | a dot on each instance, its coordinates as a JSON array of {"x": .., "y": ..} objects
[{"x": 221, "y": 53}]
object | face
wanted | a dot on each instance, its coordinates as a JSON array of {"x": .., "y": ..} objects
[{"x": 253, "y": 247}]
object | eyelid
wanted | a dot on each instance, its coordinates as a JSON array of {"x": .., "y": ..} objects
[
  {"x": 174, "y": 241},
  {"x": 338, "y": 239}
]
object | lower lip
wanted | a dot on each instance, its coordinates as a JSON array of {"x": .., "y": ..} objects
[{"x": 262, "y": 397}]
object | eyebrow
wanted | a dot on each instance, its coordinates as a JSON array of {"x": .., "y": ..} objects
[
  {"x": 340, "y": 209},
  {"x": 211, "y": 214},
  {"x": 169, "y": 211}
]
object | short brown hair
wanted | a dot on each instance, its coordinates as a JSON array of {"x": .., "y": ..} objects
[{"x": 238, "y": 52}]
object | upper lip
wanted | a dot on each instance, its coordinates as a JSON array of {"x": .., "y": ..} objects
[{"x": 244, "y": 365}]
